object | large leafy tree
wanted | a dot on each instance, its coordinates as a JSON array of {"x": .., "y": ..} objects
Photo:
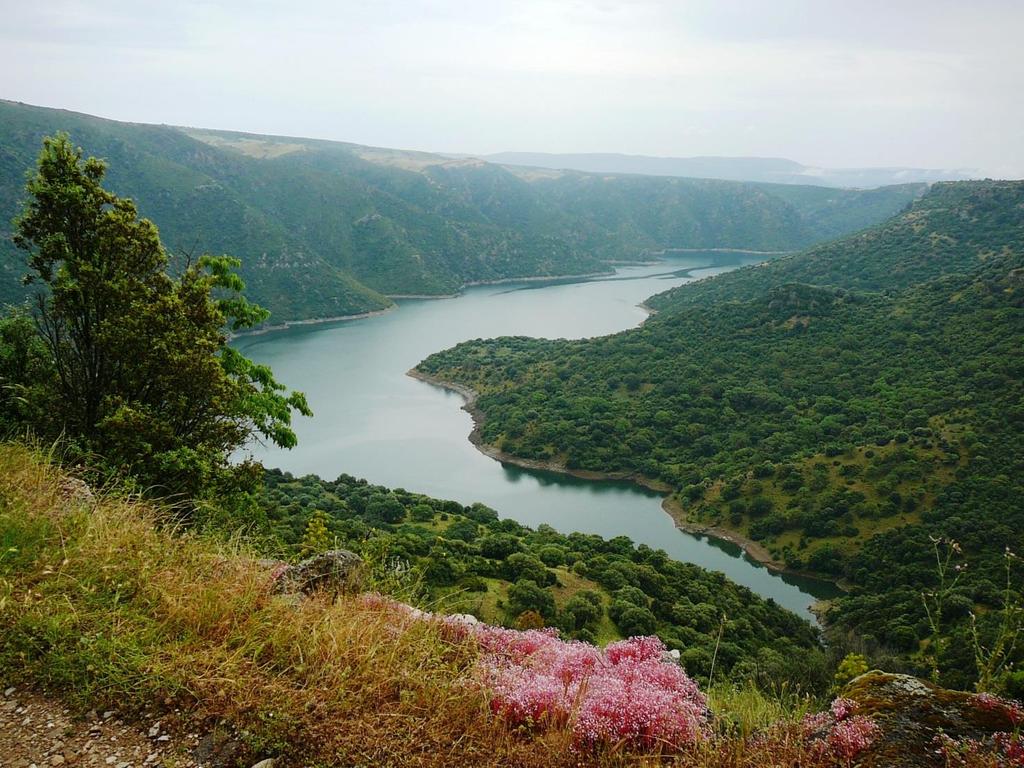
[{"x": 140, "y": 377}]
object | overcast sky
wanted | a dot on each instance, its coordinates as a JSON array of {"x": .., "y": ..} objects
[{"x": 838, "y": 83}]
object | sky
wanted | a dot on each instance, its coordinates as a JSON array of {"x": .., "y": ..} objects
[{"x": 831, "y": 83}]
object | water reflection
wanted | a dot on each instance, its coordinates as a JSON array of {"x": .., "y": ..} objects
[{"x": 373, "y": 421}]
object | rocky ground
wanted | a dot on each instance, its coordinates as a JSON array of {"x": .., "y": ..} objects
[{"x": 39, "y": 732}]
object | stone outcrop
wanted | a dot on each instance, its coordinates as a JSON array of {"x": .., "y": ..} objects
[
  {"x": 920, "y": 722},
  {"x": 76, "y": 491},
  {"x": 332, "y": 572}
]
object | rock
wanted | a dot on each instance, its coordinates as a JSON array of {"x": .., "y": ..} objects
[
  {"x": 9, "y": 692},
  {"x": 464, "y": 618},
  {"x": 334, "y": 571},
  {"x": 916, "y": 717},
  {"x": 76, "y": 491},
  {"x": 268, "y": 763},
  {"x": 216, "y": 749}
]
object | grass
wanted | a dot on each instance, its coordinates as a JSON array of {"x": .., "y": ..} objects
[
  {"x": 870, "y": 465},
  {"x": 105, "y": 603},
  {"x": 109, "y": 607}
]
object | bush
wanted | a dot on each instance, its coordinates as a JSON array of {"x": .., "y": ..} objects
[
  {"x": 633, "y": 621},
  {"x": 526, "y": 595}
]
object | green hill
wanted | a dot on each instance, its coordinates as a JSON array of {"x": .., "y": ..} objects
[
  {"x": 468, "y": 560},
  {"x": 327, "y": 229},
  {"x": 839, "y": 423},
  {"x": 953, "y": 228}
]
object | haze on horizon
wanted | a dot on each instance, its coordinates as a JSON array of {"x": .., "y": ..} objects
[{"x": 925, "y": 83}]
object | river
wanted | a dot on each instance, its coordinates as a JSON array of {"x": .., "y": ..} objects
[{"x": 373, "y": 421}]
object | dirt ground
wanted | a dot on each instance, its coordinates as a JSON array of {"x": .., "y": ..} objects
[{"x": 38, "y": 732}]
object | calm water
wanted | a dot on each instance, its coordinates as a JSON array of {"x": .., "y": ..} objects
[{"x": 373, "y": 421}]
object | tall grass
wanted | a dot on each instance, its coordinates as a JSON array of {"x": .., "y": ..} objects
[
  {"x": 107, "y": 603},
  {"x": 111, "y": 608}
]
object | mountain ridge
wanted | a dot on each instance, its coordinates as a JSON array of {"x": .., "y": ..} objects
[
  {"x": 846, "y": 407},
  {"x": 729, "y": 168},
  {"x": 329, "y": 229}
]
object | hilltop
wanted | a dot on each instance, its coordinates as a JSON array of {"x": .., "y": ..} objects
[
  {"x": 327, "y": 229},
  {"x": 774, "y": 170},
  {"x": 842, "y": 407}
]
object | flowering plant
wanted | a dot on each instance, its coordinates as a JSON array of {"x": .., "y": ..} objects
[
  {"x": 839, "y": 733},
  {"x": 627, "y": 693}
]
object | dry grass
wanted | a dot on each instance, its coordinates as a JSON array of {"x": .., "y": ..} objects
[
  {"x": 108, "y": 608},
  {"x": 106, "y": 605}
]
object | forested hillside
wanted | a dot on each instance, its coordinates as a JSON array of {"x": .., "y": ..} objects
[
  {"x": 464, "y": 559},
  {"x": 952, "y": 229},
  {"x": 841, "y": 406},
  {"x": 326, "y": 229}
]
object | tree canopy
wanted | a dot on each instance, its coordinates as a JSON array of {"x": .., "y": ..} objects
[
  {"x": 129, "y": 363},
  {"x": 841, "y": 407}
]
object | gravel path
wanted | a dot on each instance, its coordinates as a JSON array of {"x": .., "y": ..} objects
[{"x": 38, "y": 732}]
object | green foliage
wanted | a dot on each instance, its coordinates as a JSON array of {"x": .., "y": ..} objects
[
  {"x": 129, "y": 364},
  {"x": 840, "y": 423},
  {"x": 25, "y": 370},
  {"x": 852, "y": 665},
  {"x": 464, "y": 559},
  {"x": 326, "y": 229},
  {"x": 316, "y": 538},
  {"x": 527, "y": 595}
]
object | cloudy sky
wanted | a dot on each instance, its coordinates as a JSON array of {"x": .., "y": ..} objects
[{"x": 838, "y": 83}]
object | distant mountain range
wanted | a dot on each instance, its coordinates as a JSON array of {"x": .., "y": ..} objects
[
  {"x": 763, "y": 169},
  {"x": 326, "y": 229}
]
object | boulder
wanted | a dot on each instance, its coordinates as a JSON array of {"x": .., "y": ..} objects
[
  {"x": 218, "y": 749},
  {"x": 920, "y": 723},
  {"x": 76, "y": 491},
  {"x": 333, "y": 572}
]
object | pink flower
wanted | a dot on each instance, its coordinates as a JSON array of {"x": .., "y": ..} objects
[
  {"x": 842, "y": 708},
  {"x": 849, "y": 738},
  {"x": 1011, "y": 746},
  {"x": 1011, "y": 709},
  {"x": 627, "y": 693},
  {"x": 838, "y": 732}
]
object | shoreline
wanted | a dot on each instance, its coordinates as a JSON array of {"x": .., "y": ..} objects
[
  {"x": 406, "y": 296},
  {"x": 285, "y": 325},
  {"x": 669, "y": 504},
  {"x": 721, "y": 250},
  {"x": 535, "y": 279},
  {"x": 469, "y": 406},
  {"x": 757, "y": 551}
]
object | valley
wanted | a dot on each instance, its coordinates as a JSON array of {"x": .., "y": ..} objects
[
  {"x": 849, "y": 407},
  {"x": 373, "y": 421},
  {"x": 331, "y": 229}
]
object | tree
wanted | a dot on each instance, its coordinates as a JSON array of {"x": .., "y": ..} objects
[
  {"x": 385, "y": 509},
  {"x": 632, "y": 620},
  {"x": 24, "y": 371},
  {"x": 144, "y": 382},
  {"x": 582, "y": 611},
  {"x": 527, "y": 595}
]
